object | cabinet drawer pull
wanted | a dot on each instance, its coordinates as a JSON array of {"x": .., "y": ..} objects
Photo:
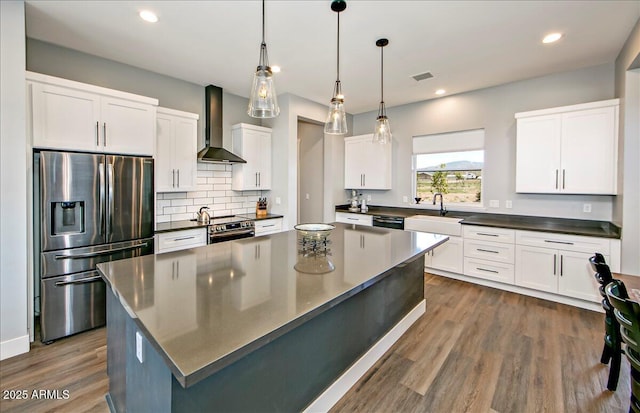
[
  {"x": 486, "y": 270},
  {"x": 487, "y": 235},
  {"x": 353, "y": 219},
  {"x": 268, "y": 226},
  {"x": 558, "y": 242},
  {"x": 554, "y": 263},
  {"x": 183, "y": 238},
  {"x": 561, "y": 264},
  {"x": 482, "y": 250}
]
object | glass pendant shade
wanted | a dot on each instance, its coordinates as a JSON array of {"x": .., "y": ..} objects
[
  {"x": 382, "y": 134},
  {"x": 263, "y": 102},
  {"x": 336, "y": 123}
]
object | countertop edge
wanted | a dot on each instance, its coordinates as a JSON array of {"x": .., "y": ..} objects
[{"x": 565, "y": 225}]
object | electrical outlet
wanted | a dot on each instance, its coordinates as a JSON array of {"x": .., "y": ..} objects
[
  {"x": 306, "y": 196},
  {"x": 508, "y": 204},
  {"x": 586, "y": 208},
  {"x": 368, "y": 197},
  {"x": 278, "y": 200},
  {"x": 494, "y": 203},
  {"x": 139, "y": 346},
  {"x": 405, "y": 199}
]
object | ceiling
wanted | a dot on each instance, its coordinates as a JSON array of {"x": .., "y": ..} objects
[{"x": 466, "y": 45}]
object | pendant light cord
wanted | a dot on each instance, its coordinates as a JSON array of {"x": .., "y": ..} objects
[
  {"x": 263, "y": 22},
  {"x": 382, "y": 74},
  {"x": 338, "y": 60}
]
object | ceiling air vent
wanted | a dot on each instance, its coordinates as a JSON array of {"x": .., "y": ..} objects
[{"x": 422, "y": 76}]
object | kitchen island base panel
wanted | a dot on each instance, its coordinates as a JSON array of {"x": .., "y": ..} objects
[{"x": 287, "y": 374}]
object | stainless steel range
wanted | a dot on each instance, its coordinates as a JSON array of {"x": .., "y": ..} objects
[{"x": 230, "y": 227}]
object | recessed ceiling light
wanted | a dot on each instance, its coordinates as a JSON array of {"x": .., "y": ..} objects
[
  {"x": 148, "y": 16},
  {"x": 440, "y": 92},
  {"x": 552, "y": 37},
  {"x": 275, "y": 69}
]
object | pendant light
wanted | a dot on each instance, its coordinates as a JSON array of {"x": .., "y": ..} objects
[
  {"x": 263, "y": 102},
  {"x": 336, "y": 123},
  {"x": 382, "y": 132}
]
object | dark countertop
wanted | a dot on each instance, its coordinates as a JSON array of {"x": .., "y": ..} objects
[
  {"x": 188, "y": 224},
  {"x": 223, "y": 301},
  {"x": 602, "y": 229}
]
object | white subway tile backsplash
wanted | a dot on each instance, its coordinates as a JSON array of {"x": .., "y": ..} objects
[{"x": 213, "y": 190}]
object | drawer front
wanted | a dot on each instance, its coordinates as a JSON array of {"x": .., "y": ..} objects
[
  {"x": 178, "y": 240},
  {"x": 564, "y": 242},
  {"x": 268, "y": 226},
  {"x": 492, "y": 251},
  {"x": 489, "y": 234},
  {"x": 489, "y": 270},
  {"x": 354, "y": 219}
]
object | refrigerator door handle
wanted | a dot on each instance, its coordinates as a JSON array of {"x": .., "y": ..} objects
[
  {"x": 101, "y": 208},
  {"x": 110, "y": 183},
  {"x": 98, "y": 253},
  {"x": 80, "y": 281}
]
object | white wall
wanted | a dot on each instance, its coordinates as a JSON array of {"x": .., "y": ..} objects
[
  {"x": 493, "y": 110},
  {"x": 627, "y": 204},
  {"x": 14, "y": 335}
]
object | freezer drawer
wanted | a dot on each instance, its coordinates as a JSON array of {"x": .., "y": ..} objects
[{"x": 71, "y": 304}]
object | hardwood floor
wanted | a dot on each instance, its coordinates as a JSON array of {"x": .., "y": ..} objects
[{"x": 476, "y": 349}]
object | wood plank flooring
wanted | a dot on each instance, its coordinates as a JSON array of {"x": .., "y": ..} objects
[{"x": 476, "y": 349}]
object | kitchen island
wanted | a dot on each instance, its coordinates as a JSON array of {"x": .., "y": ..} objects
[{"x": 256, "y": 324}]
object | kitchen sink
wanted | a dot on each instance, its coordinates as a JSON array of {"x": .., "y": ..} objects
[{"x": 434, "y": 224}]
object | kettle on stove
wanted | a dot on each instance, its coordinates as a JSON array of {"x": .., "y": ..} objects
[{"x": 203, "y": 216}]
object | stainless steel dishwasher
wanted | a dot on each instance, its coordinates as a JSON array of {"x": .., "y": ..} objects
[{"x": 388, "y": 221}]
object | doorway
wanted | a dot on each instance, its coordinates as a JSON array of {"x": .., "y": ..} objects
[{"x": 310, "y": 171}]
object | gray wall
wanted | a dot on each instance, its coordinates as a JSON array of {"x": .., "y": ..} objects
[
  {"x": 311, "y": 171},
  {"x": 627, "y": 205},
  {"x": 172, "y": 93},
  {"x": 14, "y": 168},
  {"x": 493, "y": 109}
]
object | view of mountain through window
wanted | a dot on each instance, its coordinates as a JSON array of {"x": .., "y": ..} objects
[{"x": 457, "y": 175}]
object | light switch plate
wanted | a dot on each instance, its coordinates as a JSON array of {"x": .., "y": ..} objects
[
  {"x": 586, "y": 208},
  {"x": 508, "y": 204},
  {"x": 405, "y": 199},
  {"x": 368, "y": 197},
  {"x": 494, "y": 203},
  {"x": 278, "y": 200}
]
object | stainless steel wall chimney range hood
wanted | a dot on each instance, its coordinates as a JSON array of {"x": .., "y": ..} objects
[{"x": 213, "y": 151}]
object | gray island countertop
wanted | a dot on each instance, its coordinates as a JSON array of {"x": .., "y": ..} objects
[{"x": 205, "y": 308}]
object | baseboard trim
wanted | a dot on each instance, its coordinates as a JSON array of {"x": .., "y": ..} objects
[
  {"x": 341, "y": 386},
  {"x": 14, "y": 347}
]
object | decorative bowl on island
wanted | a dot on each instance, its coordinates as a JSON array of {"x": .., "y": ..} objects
[{"x": 314, "y": 230}]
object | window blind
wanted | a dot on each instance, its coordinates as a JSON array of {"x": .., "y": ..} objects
[{"x": 468, "y": 140}]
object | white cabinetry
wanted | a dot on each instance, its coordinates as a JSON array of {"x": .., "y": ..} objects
[
  {"x": 446, "y": 257},
  {"x": 253, "y": 144},
  {"x": 558, "y": 263},
  {"x": 358, "y": 219},
  {"x": 489, "y": 253},
  {"x": 569, "y": 150},
  {"x": 179, "y": 240},
  {"x": 70, "y": 115},
  {"x": 176, "y": 150},
  {"x": 268, "y": 226},
  {"x": 367, "y": 165}
]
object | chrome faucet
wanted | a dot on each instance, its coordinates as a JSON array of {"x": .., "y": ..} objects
[{"x": 443, "y": 210}]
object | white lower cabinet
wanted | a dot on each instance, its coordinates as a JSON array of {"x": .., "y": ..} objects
[
  {"x": 268, "y": 226},
  {"x": 489, "y": 253},
  {"x": 358, "y": 219},
  {"x": 558, "y": 263},
  {"x": 180, "y": 240},
  {"x": 446, "y": 257}
]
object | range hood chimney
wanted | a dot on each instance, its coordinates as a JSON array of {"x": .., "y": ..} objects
[{"x": 213, "y": 151}]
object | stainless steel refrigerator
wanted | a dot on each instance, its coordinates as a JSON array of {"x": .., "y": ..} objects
[{"x": 89, "y": 208}]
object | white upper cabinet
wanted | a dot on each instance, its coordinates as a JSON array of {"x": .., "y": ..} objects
[
  {"x": 176, "y": 150},
  {"x": 569, "y": 150},
  {"x": 253, "y": 144},
  {"x": 70, "y": 115},
  {"x": 367, "y": 165}
]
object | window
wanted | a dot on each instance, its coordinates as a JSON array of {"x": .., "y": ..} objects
[{"x": 450, "y": 163}]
